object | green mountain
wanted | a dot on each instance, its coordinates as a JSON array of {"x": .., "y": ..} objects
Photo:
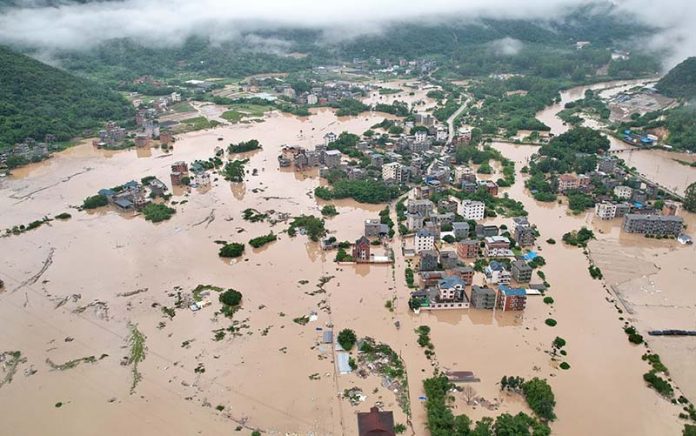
[
  {"x": 680, "y": 82},
  {"x": 37, "y": 99}
]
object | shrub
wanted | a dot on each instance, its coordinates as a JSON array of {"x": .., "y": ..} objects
[
  {"x": 564, "y": 365},
  {"x": 399, "y": 428},
  {"x": 346, "y": 338},
  {"x": 263, "y": 240},
  {"x": 548, "y": 300},
  {"x": 94, "y": 202},
  {"x": 232, "y": 250},
  {"x": 540, "y": 398},
  {"x": 551, "y": 241},
  {"x": 633, "y": 336},
  {"x": 158, "y": 212},
  {"x": 550, "y": 322},
  {"x": 231, "y": 297},
  {"x": 64, "y": 216},
  {"x": 658, "y": 383},
  {"x": 329, "y": 210}
]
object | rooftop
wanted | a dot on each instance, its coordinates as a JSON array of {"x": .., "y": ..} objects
[{"x": 511, "y": 292}]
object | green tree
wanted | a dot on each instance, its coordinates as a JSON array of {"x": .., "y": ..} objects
[
  {"x": 690, "y": 198},
  {"x": 232, "y": 250},
  {"x": 346, "y": 338},
  {"x": 231, "y": 297}
]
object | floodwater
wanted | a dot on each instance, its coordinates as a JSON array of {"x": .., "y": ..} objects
[
  {"x": 658, "y": 165},
  {"x": 261, "y": 374}
]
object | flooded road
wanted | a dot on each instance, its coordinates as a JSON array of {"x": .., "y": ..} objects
[
  {"x": 73, "y": 288},
  {"x": 659, "y": 165}
]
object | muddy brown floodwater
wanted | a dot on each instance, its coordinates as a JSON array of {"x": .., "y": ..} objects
[{"x": 70, "y": 293}]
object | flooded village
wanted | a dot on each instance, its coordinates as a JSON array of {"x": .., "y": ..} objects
[{"x": 305, "y": 273}]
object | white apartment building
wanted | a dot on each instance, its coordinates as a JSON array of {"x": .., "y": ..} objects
[
  {"x": 605, "y": 210},
  {"x": 472, "y": 210},
  {"x": 424, "y": 241},
  {"x": 624, "y": 192}
]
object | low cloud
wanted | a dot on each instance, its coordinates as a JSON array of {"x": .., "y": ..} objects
[
  {"x": 63, "y": 24},
  {"x": 506, "y": 46}
]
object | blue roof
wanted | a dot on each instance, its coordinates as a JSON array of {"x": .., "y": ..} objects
[
  {"x": 511, "y": 292},
  {"x": 496, "y": 266},
  {"x": 131, "y": 184},
  {"x": 451, "y": 282},
  {"x": 106, "y": 192},
  {"x": 530, "y": 255}
]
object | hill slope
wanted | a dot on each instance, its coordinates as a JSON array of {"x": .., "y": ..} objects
[
  {"x": 36, "y": 99},
  {"x": 680, "y": 82}
]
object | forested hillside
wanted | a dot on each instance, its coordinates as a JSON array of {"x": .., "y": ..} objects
[
  {"x": 37, "y": 99},
  {"x": 680, "y": 82}
]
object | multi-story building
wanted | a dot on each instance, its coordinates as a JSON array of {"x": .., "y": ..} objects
[
  {"x": 330, "y": 138},
  {"x": 428, "y": 260},
  {"x": 659, "y": 225},
  {"x": 466, "y": 273},
  {"x": 567, "y": 182},
  {"x": 472, "y": 210},
  {"x": 332, "y": 158},
  {"x": 605, "y": 210},
  {"x": 468, "y": 248},
  {"x": 606, "y": 164},
  {"x": 511, "y": 298},
  {"x": 461, "y": 230},
  {"x": 361, "y": 250},
  {"x": 521, "y": 271},
  {"x": 623, "y": 192},
  {"x": 392, "y": 172},
  {"x": 422, "y": 207},
  {"x": 482, "y": 297},
  {"x": 497, "y": 246},
  {"x": 462, "y": 173},
  {"x": 448, "y": 259},
  {"x": 524, "y": 232},
  {"x": 414, "y": 221},
  {"x": 489, "y": 185},
  {"x": 441, "y": 219},
  {"x": 424, "y": 240},
  {"x": 374, "y": 228},
  {"x": 497, "y": 273}
]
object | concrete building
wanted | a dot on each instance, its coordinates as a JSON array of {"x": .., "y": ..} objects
[
  {"x": 466, "y": 273},
  {"x": 606, "y": 164},
  {"x": 461, "y": 230},
  {"x": 511, "y": 298},
  {"x": 392, "y": 172},
  {"x": 330, "y": 138},
  {"x": 497, "y": 246},
  {"x": 332, "y": 158},
  {"x": 472, "y": 210},
  {"x": 497, "y": 273},
  {"x": 483, "y": 297},
  {"x": 659, "y": 225},
  {"x": 374, "y": 228},
  {"x": 567, "y": 182},
  {"x": 623, "y": 192},
  {"x": 422, "y": 207},
  {"x": 428, "y": 260},
  {"x": 448, "y": 259},
  {"x": 361, "y": 250},
  {"x": 414, "y": 221},
  {"x": 424, "y": 240},
  {"x": 605, "y": 210},
  {"x": 468, "y": 248},
  {"x": 524, "y": 232},
  {"x": 521, "y": 271}
]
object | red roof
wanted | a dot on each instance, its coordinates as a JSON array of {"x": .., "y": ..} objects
[{"x": 376, "y": 423}]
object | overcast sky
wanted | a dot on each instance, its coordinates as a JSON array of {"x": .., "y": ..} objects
[{"x": 171, "y": 21}]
